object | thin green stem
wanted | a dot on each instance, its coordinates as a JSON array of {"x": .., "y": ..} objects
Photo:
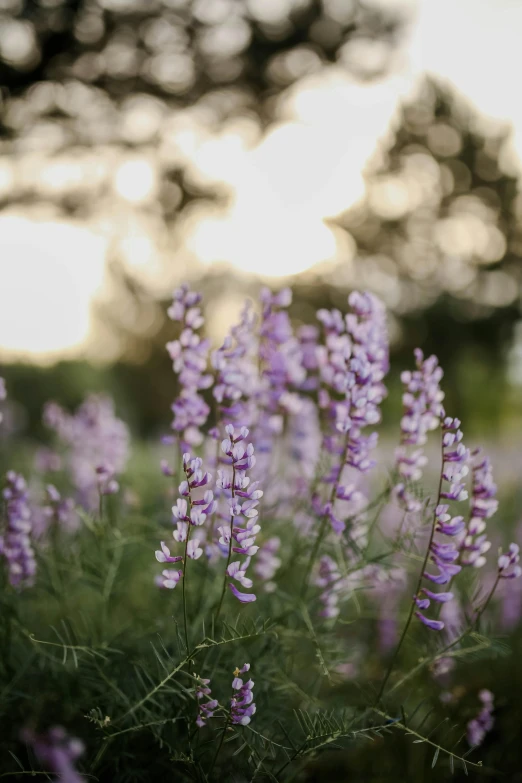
[
  {"x": 225, "y": 727},
  {"x": 417, "y": 588},
  {"x": 183, "y": 586},
  {"x": 324, "y": 521},
  {"x": 229, "y": 557}
]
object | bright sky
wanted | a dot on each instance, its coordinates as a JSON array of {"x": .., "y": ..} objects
[{"x": 275, "y": 223}]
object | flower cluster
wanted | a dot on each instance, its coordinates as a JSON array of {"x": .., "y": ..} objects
[
  {"x": 15, "y": 542},
  {"x": 330, "y": 581},
  {"x": 192, "y": 509},
  {"x": 282, "y": 373},
  {"x": 483, "y": 505},
  {"x": 478, "y": 727},
  {"x": 445, "y": 554},
  {"x": 237, "y": 372},
  {"x": 205, "y": 709},
  {"x": 57, "y": 752},
  {"x": 243, "y": 498},
  {"x": 242, "y": 705},
  {"x": 422, "y": 402},
  {"x": 352, "y": 366},
  {"x": 189, "y": 354},
  {"x": 59, "y": 510},
  {"x": 508, "y": 567},
  {"x": 98, "y": 446},
  {"x": 267, "y": 562}
]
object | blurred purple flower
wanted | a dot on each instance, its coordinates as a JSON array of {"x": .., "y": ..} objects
[
  {"x": 57, "y": 752},
  {"x": 15, "y": 541},
  {"x": 422, "y": 403},
  {"x": 97, "y": 443},
  {"x": 483, "y": 723},
  {"x": 189, "y": 354}
]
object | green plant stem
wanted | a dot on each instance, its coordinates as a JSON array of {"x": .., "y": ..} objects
[
  {"x": 417, "y": 588},
  {"x": 225, "y": 727},
  {"x": 183, "y": 586},
  {"x": 324, "y": 522}
]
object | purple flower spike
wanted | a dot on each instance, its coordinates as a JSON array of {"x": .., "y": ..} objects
[
  {"x": 57, "y": 752},
  {"x": 192, "y": 509},
  {"x": 422, "y": 403},
  {"x": 15, "y": 542},
  {"x": 189, "y": 354},
  {"x": 483, "y": 723},
  {"x": 242, "y": 705},
  {"x": 97, "y": 443},
  {"x": 243, "y": 498},
  {"x": 205, "y": 709}
]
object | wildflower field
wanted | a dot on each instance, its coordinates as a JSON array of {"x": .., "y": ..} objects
[{"x": 269, "y": 594}]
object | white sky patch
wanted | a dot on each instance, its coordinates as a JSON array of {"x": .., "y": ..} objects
[{"x": 50, "y": 272}]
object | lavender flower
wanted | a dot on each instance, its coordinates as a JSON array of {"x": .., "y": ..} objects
[
  {"x": 15, "y": 542},
  {"x": 508, "y": 567},
  {"x": 192, "y": 509},
  {"x": 189, "y": 354},
  {"x": 282, "y": 373},
  {"x": 329, "y": 579},
  {"x": 237, "y": 372},
  {"x": 267, "y": 562},
  {"x": 57, "y": 752},
  {"x": 98, "y": 445},
  {"x": 479, "y": 726},
  {"x": 352, "y": 366},
  {"x": 242, "y": 705},
  {"x": 60, "y": 510},
  {"x": 243, "y": 497},
  {"x": 421, "y": 400},
  {"x": 484, "y": 504},
  {"x": 442, "y": 553},
  {"x": 205, "y": 709}
]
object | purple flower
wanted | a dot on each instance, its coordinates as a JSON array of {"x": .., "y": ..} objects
[
  {"x": 205, "y": 709},
  {"x": 421, "y": 401},
  {"x": 237, "y": 374},
  {"x": 282, "y": 374},
  {"x": 442, "y": 553},
  {"x": 15, "y": 541},
  {"x": 189, "y": 354},
  {"x": 352, "y": 365},
  {"x": 267, "y": 562},
  {"x": 98, "y": 446},
  {"x": 192, "y": 509},
  {"x": 434, "y": 625},
  {"x": 57, "y": 752},
  {"x": 168, "y": 579},
  {"x": 484, "y": 504},
  {"x": 60, "y": 510},
  {"x": 507, "y": 563},
  {"x": 479, "y": 726},
  {"x": 329, "y": 578},
  {"x": 242, "y": 705},
  {"x": 243, "y": 498}
]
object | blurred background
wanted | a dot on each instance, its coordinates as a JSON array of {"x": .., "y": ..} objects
[{"x": 325, "y": 144}]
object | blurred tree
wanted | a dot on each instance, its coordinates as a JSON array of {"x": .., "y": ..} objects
[{"x": 107, "y": 74}]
